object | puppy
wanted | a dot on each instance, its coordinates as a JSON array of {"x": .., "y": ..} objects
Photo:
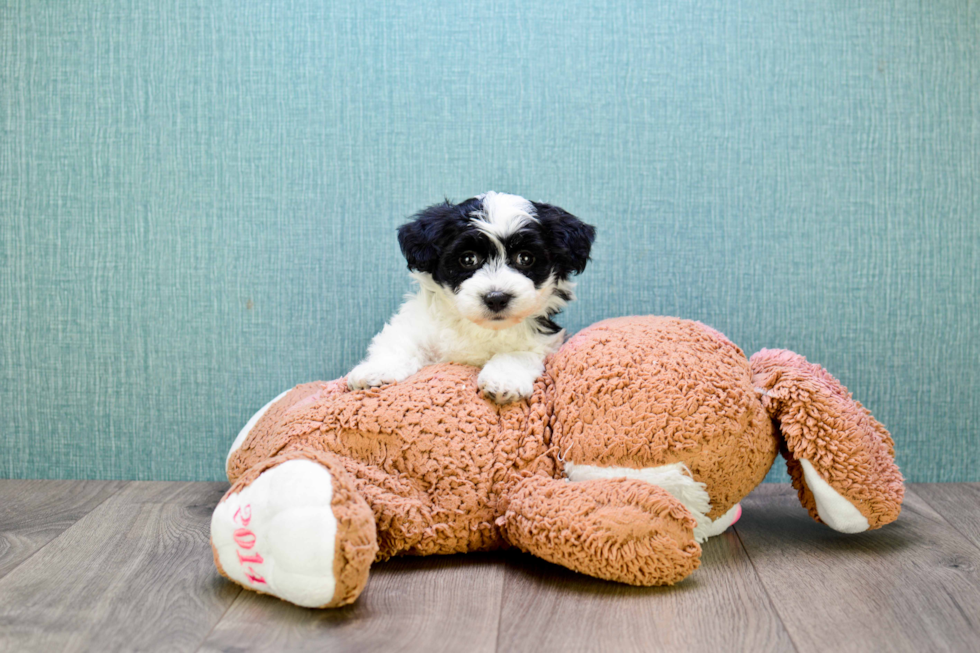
[{"x": 492, "y": 272}]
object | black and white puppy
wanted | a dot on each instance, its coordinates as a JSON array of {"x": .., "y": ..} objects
[{"x": 492, "y": 272}]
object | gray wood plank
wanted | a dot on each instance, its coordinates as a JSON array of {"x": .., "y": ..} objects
[
  {"x": 136, "y": 573},
  {"x": 438, "y": 603},
  {"x": 721, "y": 607},
  {"x": 32, "y": 513},
  {"x": 959, "y": 503},
  {"x": 910, "y": 586}
]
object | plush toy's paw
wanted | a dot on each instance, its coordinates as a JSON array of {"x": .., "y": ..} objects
[
  {"x": 509, "y": 377},
  {"x": 620, "y": 529},
  {"x": 290, "y": 532},
  {"x": 370, "y": 374}
]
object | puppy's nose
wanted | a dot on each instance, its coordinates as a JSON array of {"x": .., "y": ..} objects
[{"x": 497, "y": 301}]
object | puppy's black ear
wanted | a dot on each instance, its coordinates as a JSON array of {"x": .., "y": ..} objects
[
  {"x": 421, "y": 239},
  {"x": 571, "y": 239}
]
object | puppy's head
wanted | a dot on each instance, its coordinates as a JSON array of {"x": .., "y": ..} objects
[{"x": 499, "y": 258}]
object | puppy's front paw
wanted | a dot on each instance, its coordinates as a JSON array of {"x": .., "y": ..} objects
[
  {"x": 370, "y": 374},
  {"x": 503, "y": 384}
]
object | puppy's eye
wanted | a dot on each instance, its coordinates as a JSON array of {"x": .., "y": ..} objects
[
  {"x": 524, "y": 260},
  {"x": 469, "y": 260}
]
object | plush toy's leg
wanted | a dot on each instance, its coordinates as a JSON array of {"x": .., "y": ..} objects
[
  {"x": 294, "y": 527},
  {"x": 619, "y": 529},
  {"x": 841, "y": 460},
  {"x": 281, "y": 420},
  {"x": 247, "y": 429}
]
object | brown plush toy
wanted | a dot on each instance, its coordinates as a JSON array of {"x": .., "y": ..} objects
[{"x": 639, "y": 441}]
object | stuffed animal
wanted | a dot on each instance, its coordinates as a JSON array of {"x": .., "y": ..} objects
[{"x": 639, "y": 441}]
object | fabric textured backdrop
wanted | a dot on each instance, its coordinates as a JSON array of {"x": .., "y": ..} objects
[{"x": 199, "y": 198}]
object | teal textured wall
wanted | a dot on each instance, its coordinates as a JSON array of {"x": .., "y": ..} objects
[{"x": 199, "y": 198}]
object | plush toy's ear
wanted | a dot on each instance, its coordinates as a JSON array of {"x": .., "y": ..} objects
[
  {"x": 571, "y": 239},
  {"x": 421, "y": 238},
  {"x": 840, "y": 458}
]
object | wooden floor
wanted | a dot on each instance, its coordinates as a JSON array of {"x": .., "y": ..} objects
[{"x": 107, "y": 566}]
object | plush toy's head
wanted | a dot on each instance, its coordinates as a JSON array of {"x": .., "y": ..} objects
[
  {"x": 663, "y": 397},
  {"x": 677, "y": 404}
]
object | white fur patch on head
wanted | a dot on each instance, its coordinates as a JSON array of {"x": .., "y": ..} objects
[
  {"x": 502, "y": 215},
  {"x": 278, "y": 534},
  {"x": 675, "y": 479}
]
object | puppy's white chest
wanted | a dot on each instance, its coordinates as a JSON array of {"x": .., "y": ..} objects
[{"x": 451, "y": 346}]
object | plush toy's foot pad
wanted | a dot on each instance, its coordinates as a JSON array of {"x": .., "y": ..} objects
[
  {"x": 840, "y": 458},
  {"x": 280, "y": 534}
]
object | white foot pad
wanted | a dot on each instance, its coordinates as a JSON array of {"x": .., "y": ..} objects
[
  {"x": 834, "y": 510},
  {"x": 277, "y": 535}
]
